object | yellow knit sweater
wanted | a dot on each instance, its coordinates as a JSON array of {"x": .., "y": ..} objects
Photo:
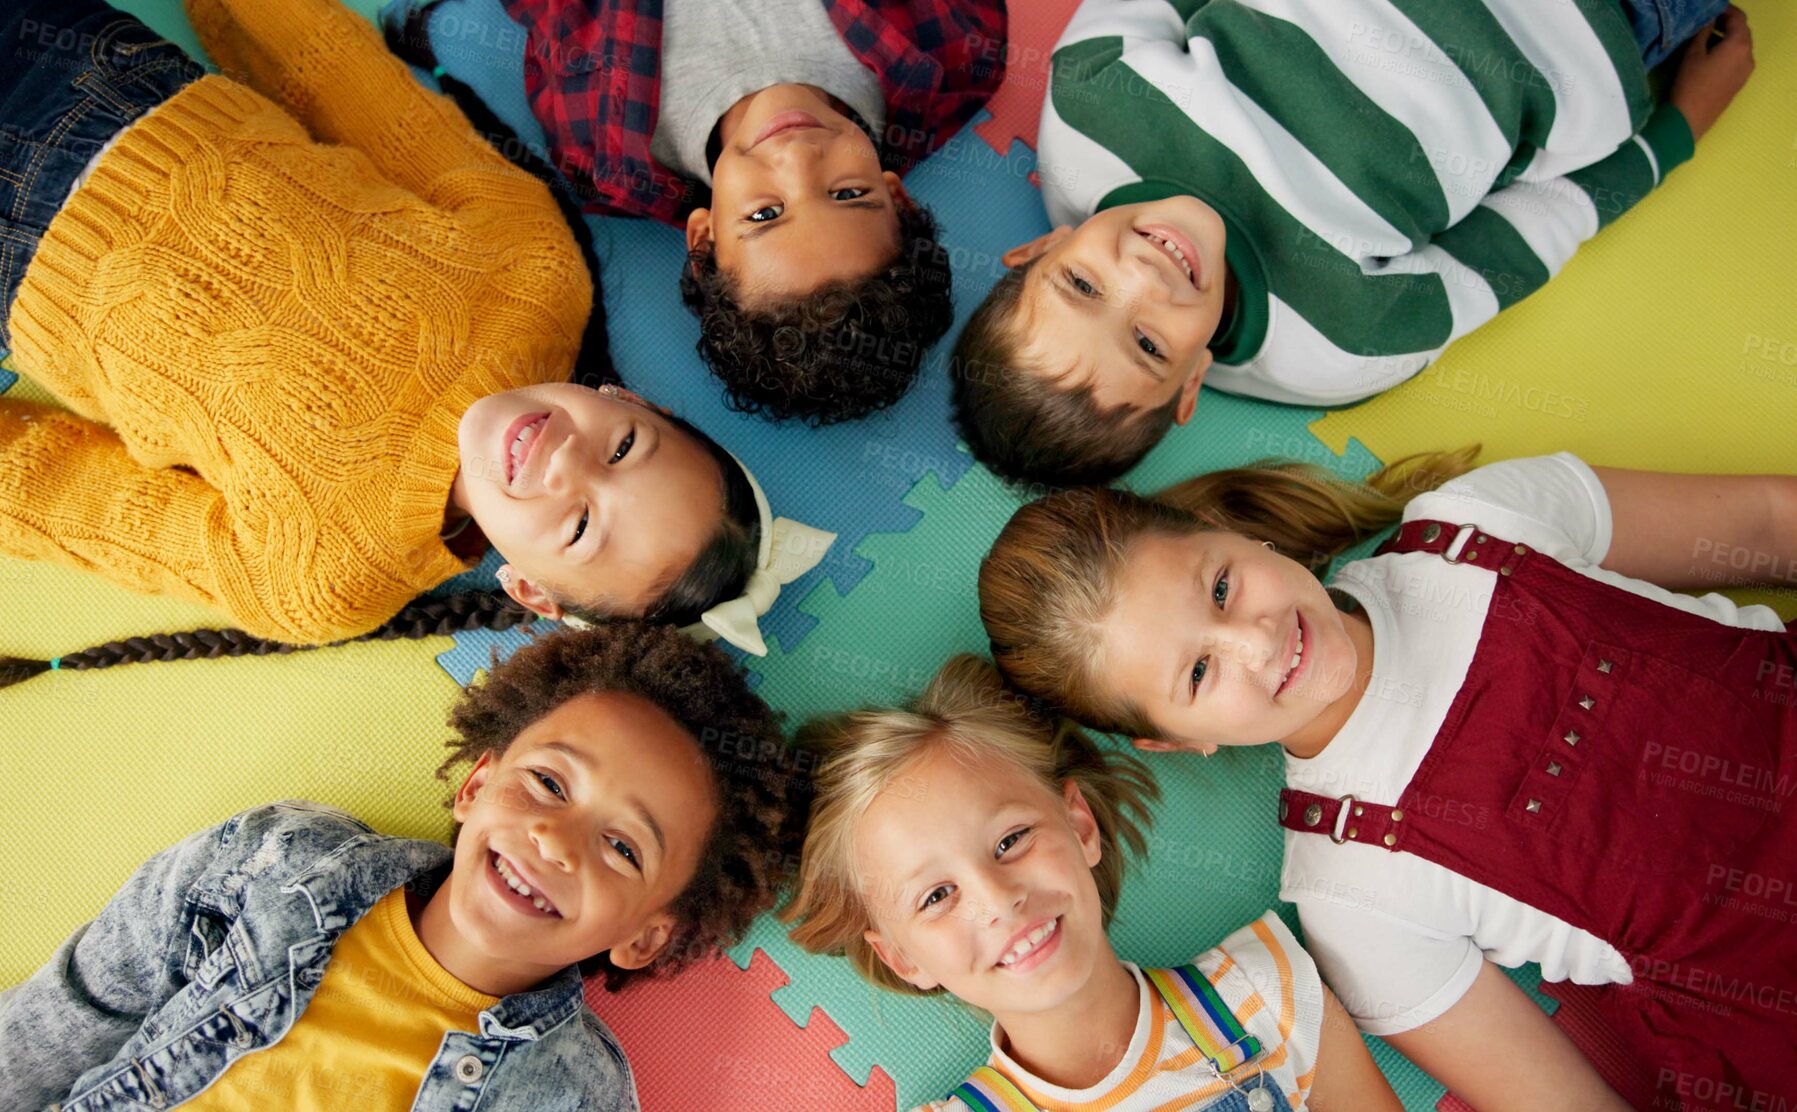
[{"x": 281, "y": 296}]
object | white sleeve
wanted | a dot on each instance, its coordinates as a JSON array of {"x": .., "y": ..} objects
[
  {"x": 1136, "y": 22},
  {"x": 1555, "y": 504},
  {"x": 1263, "y": 959},
  {"x": 1075, "y": 170},
  {"x": 1391, "y": 976}
]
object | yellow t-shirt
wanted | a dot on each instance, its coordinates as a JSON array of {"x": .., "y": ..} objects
[{"x": 370, "y": 1032}]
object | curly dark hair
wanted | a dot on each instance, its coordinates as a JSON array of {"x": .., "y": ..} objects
[
  {"x": 1024, "y": 425},
  {"x": 763, "y": 790},
  {"x": 839, "y": 353}
]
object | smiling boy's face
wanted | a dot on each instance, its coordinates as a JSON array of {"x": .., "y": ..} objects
[
  {"x": 798, "y": 197},
  {"x": 1128, "y": 302},
  {"x": 600, "y": 809},
  {"x": 997, "y": 905}
]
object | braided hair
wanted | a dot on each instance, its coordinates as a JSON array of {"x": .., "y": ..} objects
[{"x": 422, "y": 617}]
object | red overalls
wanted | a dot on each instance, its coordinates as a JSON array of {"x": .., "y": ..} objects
[{"x": 1638, "y": 763}]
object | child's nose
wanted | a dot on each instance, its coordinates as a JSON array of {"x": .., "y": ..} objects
[
  {"x": 1001, "y": 894},
  {"x": 568, "y": 468},
  {"x": 555, "y": 845},
  {"x": 1149, "y": 283}
]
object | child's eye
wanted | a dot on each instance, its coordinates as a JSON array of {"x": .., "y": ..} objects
[
  {"x": 853, "y": 192},
  {"x": 626, "y": 852},
  {"x": 624, "y": 446},
  {"x": 549, "y": 782},
  {"x": 1080, "y": 284},
  {"x": 765, "y": 213},
  {"x": 1198, "y": 671},
  {"x": 935, "y": 896},
  {"x": 1010, "y": 840},
  {"x": 1220, "y": 592},
  {"x": 579, "y": 530},
  {"x": 1147, "y": 345}
]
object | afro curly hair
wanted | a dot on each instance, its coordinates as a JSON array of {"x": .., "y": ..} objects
[
  {"x": 837, "y": 354},
  {"x": 763, "y": 788}
]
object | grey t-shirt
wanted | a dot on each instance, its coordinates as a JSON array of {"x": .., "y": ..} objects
[{"x": 715, "y": 52}]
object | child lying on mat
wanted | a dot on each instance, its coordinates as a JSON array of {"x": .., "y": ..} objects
[
  {"x": 775, "y": 133},
  {"x": 1005, "y": 902},
  {"x": 1306, "y": 201},
  {"x": 1508, "y": 731},
  {"x": 317, "y": 338},
  {"x": 292, "y": 958}
]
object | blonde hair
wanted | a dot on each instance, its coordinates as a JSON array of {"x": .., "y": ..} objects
[
  {"x": 1049, "y": 583},
  {"x": 967, "y": 708}
]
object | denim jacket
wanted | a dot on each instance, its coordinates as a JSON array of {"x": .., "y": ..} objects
[{"x": 214, "y": 947}]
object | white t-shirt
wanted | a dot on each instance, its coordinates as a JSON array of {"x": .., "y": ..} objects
[
  {"x": 1265, "y": 978},
  {"x": 715, "y": 52},
  {"x": 1399, "y": 938}
]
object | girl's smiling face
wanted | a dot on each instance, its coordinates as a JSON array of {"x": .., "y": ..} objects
[
  {"x": 997, "y": 904},
  {"x": 1221, "y": 641},
  {"x": 594, "y": 498}
]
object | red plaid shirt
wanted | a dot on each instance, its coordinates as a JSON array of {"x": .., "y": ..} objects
[{"x": 592, "y": 71}]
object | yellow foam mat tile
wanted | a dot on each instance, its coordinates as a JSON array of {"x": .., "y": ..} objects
[
  {"x": 1669, "y": 342},
  {"x": 99, "y": 770}
]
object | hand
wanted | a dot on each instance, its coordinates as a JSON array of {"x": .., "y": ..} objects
[{"x": 1711, "y": 71}]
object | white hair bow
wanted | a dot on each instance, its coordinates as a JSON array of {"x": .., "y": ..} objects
[{"x": 787, "y": 550}]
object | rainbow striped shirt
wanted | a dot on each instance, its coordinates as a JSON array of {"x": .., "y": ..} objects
[{"x": 1273, "y": 997}]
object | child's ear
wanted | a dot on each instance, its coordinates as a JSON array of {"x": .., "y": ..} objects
[
  {"x": 1085, "y": 824},
  {"x": 1188, "y": 393},
  {"x": 528, "y": 594},
  {"x": 901, "y": 197},
  {"x": 895, "y": 960},
  {"x": 646, "y": 945},
  {"x": 471, "y": 786},
  {"x": 1026, "y": 252},
  {"x": 698, "y": 229}
]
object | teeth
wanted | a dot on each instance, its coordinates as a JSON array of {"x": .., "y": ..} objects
[
  {"x": 1027, "y": 944},
  {"x": 517, "y": 885},
  {"x": 1172, "y": 249},
  {"x": 522, "y": 444}
]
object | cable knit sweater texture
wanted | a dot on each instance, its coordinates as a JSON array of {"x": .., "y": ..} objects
[{"x": 267, "y": 311}]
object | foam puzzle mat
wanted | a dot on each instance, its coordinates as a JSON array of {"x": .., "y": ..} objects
[{"x": 1669, "y": 342}]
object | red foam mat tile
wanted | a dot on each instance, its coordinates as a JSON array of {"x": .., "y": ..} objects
[
  {"x": 710, "y": 1038},
  {"x": 1032, "y": 30}
]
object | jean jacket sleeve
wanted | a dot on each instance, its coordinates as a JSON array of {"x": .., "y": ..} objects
[{"x": 104, "y": 980}]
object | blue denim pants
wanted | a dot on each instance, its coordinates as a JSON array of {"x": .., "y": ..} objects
[
  {"x": 73, "y": 74},
  {"x": 1662, "y": 26}
]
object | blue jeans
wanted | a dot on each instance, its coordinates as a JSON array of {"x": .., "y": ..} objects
[
  {"x": 73, "y": 74},
  {"x": 1662, "y": 26}
]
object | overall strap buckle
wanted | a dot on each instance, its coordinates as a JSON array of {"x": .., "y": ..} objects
[
  {"x": 1345, "y": 818},
  {"x": 1462, "y": 548},
  {"x": 1457, "y": 543}
]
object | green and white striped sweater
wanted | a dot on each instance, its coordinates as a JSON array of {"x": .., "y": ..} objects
[{"x": 1392, "y": 173}]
